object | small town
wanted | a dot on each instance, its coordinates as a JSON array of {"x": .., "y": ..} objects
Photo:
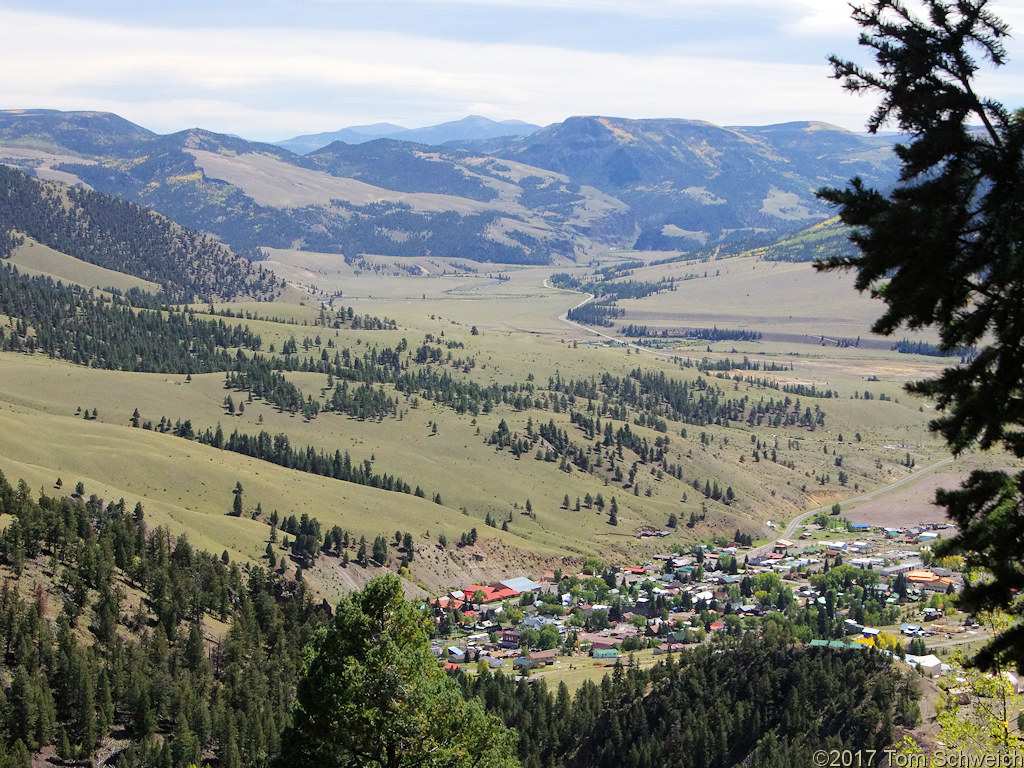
[
  {"x": 492, "y": 384},
  {"x": 877, "y": 588}
]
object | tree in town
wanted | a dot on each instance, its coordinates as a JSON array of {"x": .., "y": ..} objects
[
  {"x": 372, "y": 694},
  {"x": 945, "y": 249},
  {"x": 548, "y": 637}
]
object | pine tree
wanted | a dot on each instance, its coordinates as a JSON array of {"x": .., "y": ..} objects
[
  {"x": 236, "y": 505},
  {"x": 361, "y": 552},
  {"x": 943, "y": 249},
  {"x": 373, "y": 694}
]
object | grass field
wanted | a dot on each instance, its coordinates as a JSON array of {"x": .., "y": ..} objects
[
  {"x": 575, "y": 670},
  {"x": 519, "y": 337},
  {"x": 33, "y": 258}
]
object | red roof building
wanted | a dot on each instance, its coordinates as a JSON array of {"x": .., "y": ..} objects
[{"x": 492, "y": 594}]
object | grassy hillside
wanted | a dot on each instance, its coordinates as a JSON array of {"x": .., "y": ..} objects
[
  {"x": 736, "y": 434},
  {"x": 32, "y": 258},
  {"x": 107, "y": 232},
  {"x": 187, "y": 487},
  {"x": 564, "y": 192},
  {"x": 191, "y": 484}
]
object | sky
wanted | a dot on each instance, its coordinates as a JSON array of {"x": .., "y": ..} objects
[{"x": 272, "y": 69}]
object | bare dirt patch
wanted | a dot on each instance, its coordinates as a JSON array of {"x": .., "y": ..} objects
[{"x": 913, "y": 503}]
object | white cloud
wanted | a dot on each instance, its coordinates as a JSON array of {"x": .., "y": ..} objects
[
  {"x": 822, "y": 18},
  {"x": 271, "y": 83},
  {"x": 659, "y": 8}
]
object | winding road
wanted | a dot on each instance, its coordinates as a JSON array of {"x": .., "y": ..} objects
[{"x": 797, "y": 521}]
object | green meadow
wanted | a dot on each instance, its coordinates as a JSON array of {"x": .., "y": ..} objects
[{"x": 507, "y": 331}]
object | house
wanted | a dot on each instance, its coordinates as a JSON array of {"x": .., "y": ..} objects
[
  {"x": 449, "y": 603},
  {"x": 606, "y": 653},
  {"x": 837, "y": 644},
  {"x": 509, "y": 638},
  {"x": 538, "y": 658},
  {"x": 669, "y": 648},
  {"x": 939, "y": 585},
  {"x": 491, "y": 593},
  {"x": 851, "y": 627},
  {"x": 929, "y": 664},
  {"x": 892, "y": 571},
  {"x": 522, "y": 584}
]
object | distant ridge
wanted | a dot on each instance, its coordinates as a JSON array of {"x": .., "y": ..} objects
[
  {"x": 468, "y": 128},
  {"x": 86, "y": 132},
  {"x": 355, "y": 134},
  {"x": 555, "y": 194}
]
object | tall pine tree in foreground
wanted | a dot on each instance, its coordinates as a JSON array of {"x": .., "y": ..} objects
[
  {"x": 945, "y": 249},
  {"x": 373, "y": 695}
]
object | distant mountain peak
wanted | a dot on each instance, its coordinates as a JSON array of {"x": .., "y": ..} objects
[{"x": 468, "y": 128}]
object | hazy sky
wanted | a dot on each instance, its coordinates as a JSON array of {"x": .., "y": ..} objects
[{"x": 272, "y": 69}]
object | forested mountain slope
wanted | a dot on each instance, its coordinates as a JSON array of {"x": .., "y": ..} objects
[
  {"x": 119, "y": 641},
  {"x": 127, "y": 238},
  {"x": 690, "y": 183},
  {"x": 551, "y": 196}
]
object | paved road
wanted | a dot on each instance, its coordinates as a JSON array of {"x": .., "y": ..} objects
[
  {"x": 587, "y": 329},
  {"x": 799, "y": 520}
]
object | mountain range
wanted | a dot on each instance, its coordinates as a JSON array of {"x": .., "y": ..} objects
[
  {"x": 551, "y": 196},
  {"x": 472, "y": 127}
]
